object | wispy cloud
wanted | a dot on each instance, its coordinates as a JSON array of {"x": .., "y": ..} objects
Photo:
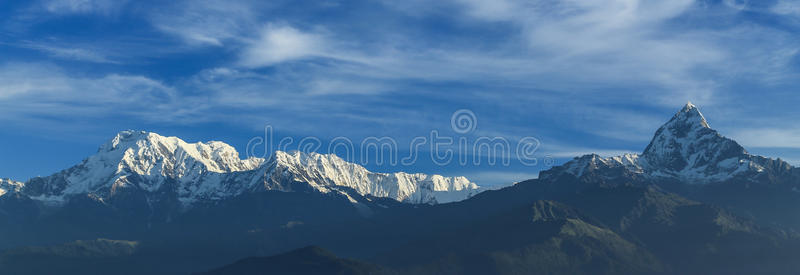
[
  {"x": 276, "y": 44},
  {"x": 768, "y": 137},
  {"x": 568, "y": 46},
  {"x": 602, "y": 42},
  {"x": 69, "y": 53},
  {"x": 105, "y": 7},
  {"x": 786, "y": 7},
  {"x": 32, "y": 91},
  {"x": 206, "y": 22}
]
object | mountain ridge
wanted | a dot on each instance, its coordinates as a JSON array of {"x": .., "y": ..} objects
[{"x": 211, "y": 171}]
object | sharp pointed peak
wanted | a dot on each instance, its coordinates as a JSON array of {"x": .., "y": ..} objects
[
  {"x": 692, "y": 109},
  {"x": 689, "y": 115},
  {"x": 688, "y": 142}
]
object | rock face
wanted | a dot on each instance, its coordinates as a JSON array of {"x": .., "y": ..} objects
[{"x": 165, "y": 168}]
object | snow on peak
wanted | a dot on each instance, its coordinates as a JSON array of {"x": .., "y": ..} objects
[
  {"x": 690, "y": 116},
  {"x": 214, "y": 156},
  {"x": 142, "y": 160},
  {"x": 211, "y": 171},
  {"x": 687, "y": 147},
  {"x": 593, "y": 162},
  {"x": 141, "y": 149},
  {"x": 684, "y": 148},
  {"x": 9, "y": 186},
  {"x": 328, "y": 172}
]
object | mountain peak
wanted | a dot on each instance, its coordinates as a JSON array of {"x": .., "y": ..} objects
[
  {"x": 132, "y": 138},
  {"x": 143, "y": 151},
  {"x": 142, "y": 160},
  {"x": 172, "y": 147},
  {"x": 123, "y": 136},
  {"x": 690, "y": 116},
  {"x": 686, "y": 144},
  {"x": 684, "y": 148}
]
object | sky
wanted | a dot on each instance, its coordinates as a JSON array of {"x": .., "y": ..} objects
[{"x": 578, "y": 76}]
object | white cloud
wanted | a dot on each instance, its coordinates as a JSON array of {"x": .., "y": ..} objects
[
  {"x": 562, "y": 45},
  {"x": 576, "y": 46},
  {"x": 623, "y": 42},
  {"x": 277, "y": 44}
]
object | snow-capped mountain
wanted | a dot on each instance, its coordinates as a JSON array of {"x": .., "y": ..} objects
[
  {"x": 327, "y": 173},
  {"x": 201, "y": 172},
  {"x": 685, "y": 149},
  {"x": 141, "y": 160}
]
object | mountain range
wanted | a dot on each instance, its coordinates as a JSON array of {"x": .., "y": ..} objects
[
  {"x": 693, "y": 202},
  {"x": 160, "y": 168}
]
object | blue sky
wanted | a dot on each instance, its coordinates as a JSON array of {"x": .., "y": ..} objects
[{"x": 580, "y": 76}]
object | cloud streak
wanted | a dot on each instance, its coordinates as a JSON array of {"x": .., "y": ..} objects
[
  {"x": 104, "y": 7},
  {"x": 206, "y": 22},
  {"x": 70, "y": 53}
]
